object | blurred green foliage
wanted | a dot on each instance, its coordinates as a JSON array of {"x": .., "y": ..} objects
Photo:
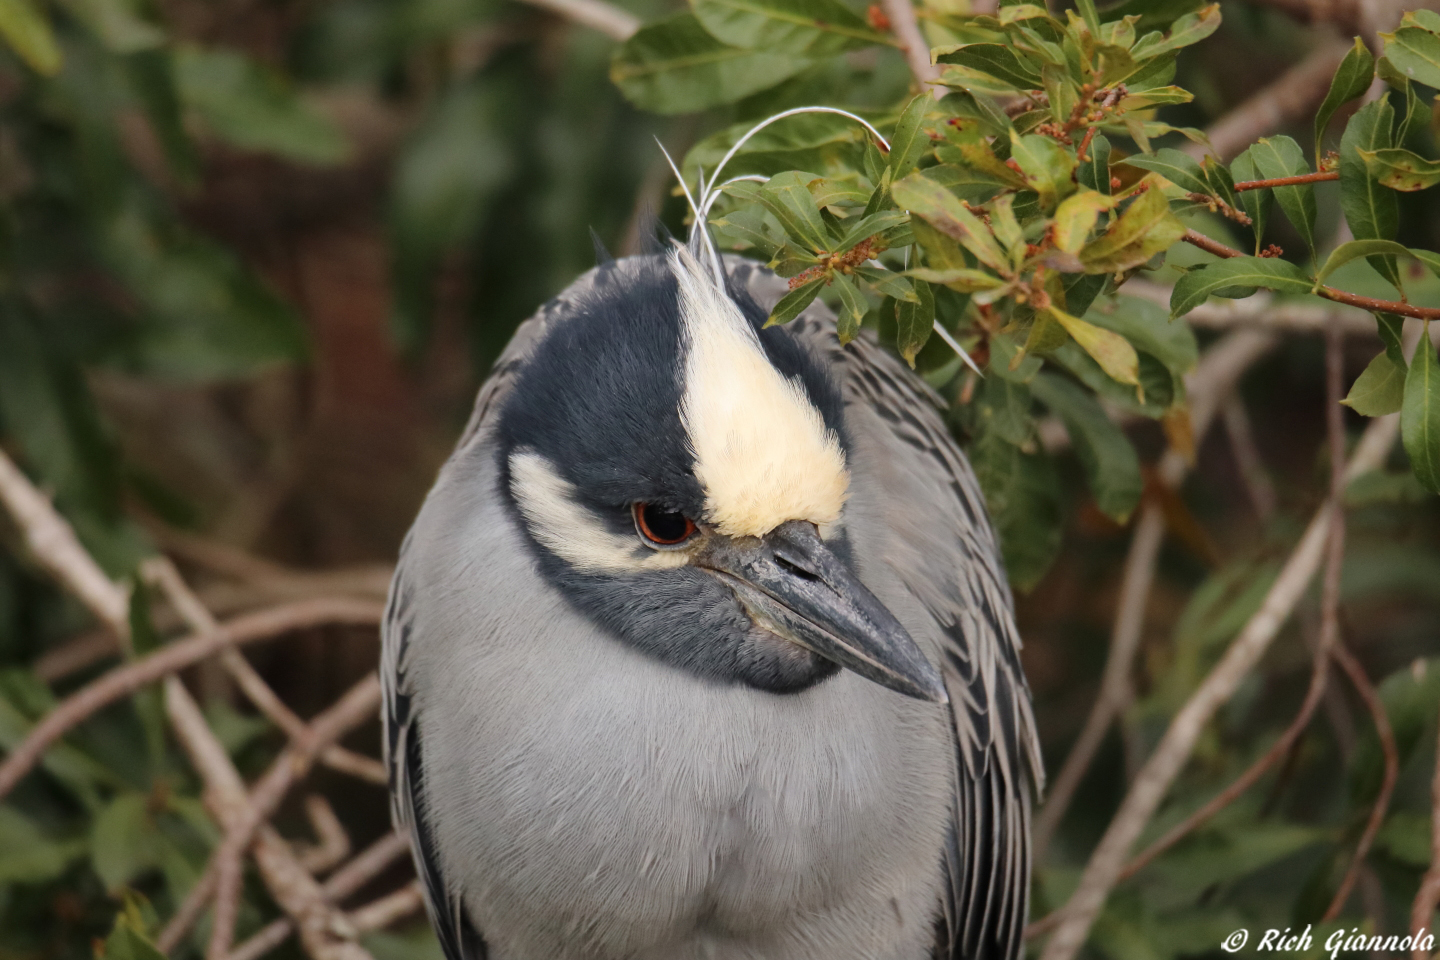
[{"x": 497, "y": 142}]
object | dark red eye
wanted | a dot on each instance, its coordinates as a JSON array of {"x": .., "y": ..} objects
[{"x": 660, "y": 526}]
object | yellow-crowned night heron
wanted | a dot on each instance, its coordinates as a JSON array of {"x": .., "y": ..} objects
[{"x": 701, "y": 647}]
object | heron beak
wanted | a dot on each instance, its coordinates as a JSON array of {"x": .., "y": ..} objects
[{"x": 794, "y": 586}]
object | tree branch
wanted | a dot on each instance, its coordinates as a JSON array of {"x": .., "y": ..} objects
[
  {"x": 379, "y": 914},
  {"x": 912, "y": 42},
  {"x": 1159, "y": 772},
  {"x": 1356, "y": 673},
  {"x": 369, "y": 864},
  {"x": 1329, "y": 293},
  {"x": 1287, "y": 181},
  {"x": 1214, "y": 377},
  {"x": 606, "y": 18},
  {"x": 123, "y": 681},
  {"x": 1330, "y": 620}
]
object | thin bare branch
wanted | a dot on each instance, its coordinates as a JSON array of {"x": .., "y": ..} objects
[
  {"x": 906, "y": 28},
  {"x": 1427, "y": 898},
  {"x": 53, "y": 544},
  {"x": 366, "y": 866},
  {"x": 1160, "y": 770},
  {"x": 1258, "y": 485},
  {"x": 1330, "y": 620},
  {"x": 1372, "y": 304},
  {"x": 325, "y": 932},
  {"x": 123, "y": 681},
  {"x": 381, "y": 913},
  {"x": 1366, "y": 689},
  {"x": 606, "y": 18},
  {"x": 1261, "y": 311},
  {"x": 359, "y": 704},
  {"x": 1294, "y": 181},
  {"x": 334, "y": 845},
  {"x": 1215, "y": 376}
]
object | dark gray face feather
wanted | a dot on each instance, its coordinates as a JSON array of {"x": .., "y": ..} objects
[{"x": 600, "y": 400}]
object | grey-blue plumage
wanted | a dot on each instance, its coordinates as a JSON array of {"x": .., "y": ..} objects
[{"x": 611, "y": 755}]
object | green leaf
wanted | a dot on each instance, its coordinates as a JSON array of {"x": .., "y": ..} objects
[
  {"x": 151, "y": 76},
  {"x": 1372, "y": 211},
  {"x": 1379, "y": 390},
  {"x": 1179, "y": 168},
  {"x": 29, "y": 35},
  {"x": 959, "y": 279},
  {"x": 806, "y": 28},
  {"x": 1255, "y": 203},
  {"x": 1420, "y": 416},
  {"x": 787, "y": 197},
  {"x": 1400, "y": 169},
  {"x": 1352, "y": 78},
  {"x": 122, "y": 841},
  {"x": 1113, "y": 352},
  {"x": 1147, "y": 227},
  {"x": 943, "y": 210},
  {"x": 1414, "y": 50},
  {"x": 30, "y": 856},
  {"x": 1390, "y": 327},
  {"x": 853, "y": 308},
  {"x": 120, "y": 24},
  {"x": 888, "y": 284},
  {"x": 1272, "y": 273},
  {"x": 806, "y": 141},
  {"x": 1276, "y": 157},
  {"x": 1003, "y": 407},
  {"x": 914, "y": 322},
  {"x": 1148, "y": 328},
  {"x": 675, "y": 66},
  {"x": 1074, "y": 219},
  {"x": 128, "y": 940},
  {"x": 1023, "y": 497},
  {"x": 909, "y": 140},
  {"x": 1094, "y": 170},
  {"x": 995, "y": 60},
  {"x": 1189, "y": 29},
  {"x": 1048, "y": 167},
  {"x": 1354, "y": 250},
  {"x": 793, "y": 303},
  {"x": 254, "y": 109},
  {"x": 1111, "y": 466}
]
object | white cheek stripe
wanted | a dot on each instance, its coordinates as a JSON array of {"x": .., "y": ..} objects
[
  {"x": 762, "y": 451},
  {"x": 569, "y": 530}
]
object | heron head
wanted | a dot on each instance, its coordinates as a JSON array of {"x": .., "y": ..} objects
[{"x": 681, "y": 472}]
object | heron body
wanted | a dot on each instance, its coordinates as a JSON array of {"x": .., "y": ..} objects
[{"x": 700, "y": 647}]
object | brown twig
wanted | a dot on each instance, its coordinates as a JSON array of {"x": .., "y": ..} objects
[
  {"x": 1258, "y": 485},
  {"x": 917, "y": 52},
  {"x": 334, "y": 845},
  {"x": 1428, "y": 896},
  {"x": 606, "y": 18},
  {"x": 53, "y": 544},
  {"x": 366, "y": 866},
  {"x": 123, "y": 681},
  {"x": 1357, "y": 676},
  {"x": 1329, "y": 293},
  {"x": 380, "y": 913},
  {"x": 324, "y": 931},
  {"x": 355, "y": 707},
  {"x": 1217, "y": 205},
  {"x": 1329, "y": 612},
  {"x": 1165, "y": 763},
  {"x": 1287, "y": 181}
]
